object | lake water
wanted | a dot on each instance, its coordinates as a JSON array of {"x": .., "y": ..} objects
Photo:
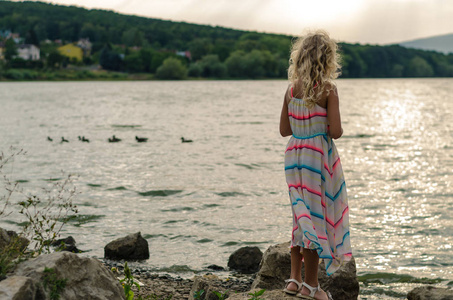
[{"x": 198, "y": 202}]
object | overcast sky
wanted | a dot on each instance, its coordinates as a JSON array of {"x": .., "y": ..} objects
[{"x": 362, "y": 21}]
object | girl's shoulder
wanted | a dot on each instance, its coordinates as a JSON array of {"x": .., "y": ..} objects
[{"x": 289, "y": 93}]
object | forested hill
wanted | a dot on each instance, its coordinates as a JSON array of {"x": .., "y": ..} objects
[{"x": 143, "y": 44}]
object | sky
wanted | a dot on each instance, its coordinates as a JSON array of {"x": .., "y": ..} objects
[{"x": 353, "y": 21}]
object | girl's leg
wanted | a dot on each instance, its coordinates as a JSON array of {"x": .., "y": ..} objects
[
  {"x": 296, "y": 267},
  {"x": 311, "y": 261}
]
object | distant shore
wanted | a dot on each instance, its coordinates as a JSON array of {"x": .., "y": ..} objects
[
  {"x": 70, "y": 75},
  {"x": 28, "y": 75}
]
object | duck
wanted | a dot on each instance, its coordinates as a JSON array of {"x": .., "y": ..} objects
[
  {"x": 49, "y": 139},
  {"x": 85, "y": 139},
  {"x": 183, "y": 140},
  {"x": 141, "y": 139},
  {"x": 114, "y": 139},
  {"x": 63, "y": 140}
]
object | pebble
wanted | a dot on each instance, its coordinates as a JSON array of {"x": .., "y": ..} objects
[{"x": 162, "y": 286}]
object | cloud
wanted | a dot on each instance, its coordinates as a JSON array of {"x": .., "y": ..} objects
[
  {"x": 364, "y": 21},
  {"x": 394, "y": 21}
]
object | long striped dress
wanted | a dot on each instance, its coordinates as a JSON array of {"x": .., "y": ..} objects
[{"x": 317, "y": 188}]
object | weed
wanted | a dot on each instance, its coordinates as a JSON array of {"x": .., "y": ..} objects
[
  {"x": 53, "y": 284},
  {"x": 128, "y": 282},
  {"x": 45, "y": 215},
  {"x": 198, "y": 294},
  {"x": 256, "y": 295},
  {"x": 220, "y": 295}
]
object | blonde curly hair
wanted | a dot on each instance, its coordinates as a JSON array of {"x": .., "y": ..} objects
[{"x": 314, "y": 63}]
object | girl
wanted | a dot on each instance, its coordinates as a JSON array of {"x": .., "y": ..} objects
[{"x": 313, "y": 170}]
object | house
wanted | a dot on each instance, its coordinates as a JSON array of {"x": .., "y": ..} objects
[
  {"x": 16, "y": 37},
  {"x": 85, "y": 45},
  {"x": 184, "y": 54},
  {"x": 71, "y": 51},
  {"x": 5, "y": 34},
  {"x": 28, "y": 52}
]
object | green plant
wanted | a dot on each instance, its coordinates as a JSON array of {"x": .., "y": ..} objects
[
  {"x": 256, "y": 295},
  {"x": 7, "y": 256},
  {"x": 220, "y": 295},
  {"x": 11, "y": 250},
  {"x": 45, "y": 215},
  {"x": 53, "y": 284},
  {"x": 171, "y": 68},
  {"x": 128, "y": 282},
  {"x": 198, "y": 294}
]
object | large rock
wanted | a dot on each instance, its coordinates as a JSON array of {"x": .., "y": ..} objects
[
  {"x": 275, "y": 267},
  {"x": 209, "y": 284},
  {"x": 19, "y": 288},
  {"x": 430, "y": 293},
  {"x": 131, "y": 247},
  {"x": 66, "y": 244},
  {"x": 86, "y": 278},
  {"x": 246, "y": 260},
  {"x": 11, "y": 238}
]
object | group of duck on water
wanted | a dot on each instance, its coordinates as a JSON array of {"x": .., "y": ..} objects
[{"x": 113, "y": 139}]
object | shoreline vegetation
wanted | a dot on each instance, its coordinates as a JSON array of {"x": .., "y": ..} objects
[
  {"x": 24, "y": 75},
  {"x": 42, "y": 41}
]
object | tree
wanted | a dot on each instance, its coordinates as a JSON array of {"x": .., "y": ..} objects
[
  {"x": 353, "y": 65},
  {"x": 222, "y": 48},
  {"x": 251, "y": 65},
  {"x": 235, "y": 65},
  {"x": 89, "y": 31},
  {"x": 110, "y": 60},
  {"x": 32, "y": 38},
  {"x": 378, "y": 61},
  {"x": 10, "y": 49},
  {"x": 199, "y": 48},
  {"x": 277, "y": 44},
  {"x": 157, "y": 60},
  {"x": 172, "y": 68},
  {"x": 54, "y": 59},
  {"x": 211, "y": 66},
  {"x": 397, "y": 70},
  {"x": 132, "y": 37},
  {"x": 194, "y": 70},
  {"x": 133, "y": 62},
  {"x": 146, "y": 57},
  {"x": 418, "y": 67}
]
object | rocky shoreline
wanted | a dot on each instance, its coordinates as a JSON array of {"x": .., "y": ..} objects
[
  {"x": 78, "y": 277},
  {"x": 166, "y": 286}
]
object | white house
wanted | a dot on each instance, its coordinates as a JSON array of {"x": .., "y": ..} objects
[
  {"x": 85, "y": 44},
  {"x": 28, "y": 52}
]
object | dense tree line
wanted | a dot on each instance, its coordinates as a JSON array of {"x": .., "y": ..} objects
[
  {"x": 143, "y": 45},
  {"x": 393, "y": 61}
]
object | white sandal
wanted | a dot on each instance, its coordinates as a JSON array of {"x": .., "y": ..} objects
[
  {"x": 292, "y": 292},
  {"x": 313, "y": 291}
]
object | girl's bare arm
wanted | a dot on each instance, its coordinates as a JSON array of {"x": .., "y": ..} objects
[
  {"x": 285, "y": 127},
  {"x": 333, "y": 115}
]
